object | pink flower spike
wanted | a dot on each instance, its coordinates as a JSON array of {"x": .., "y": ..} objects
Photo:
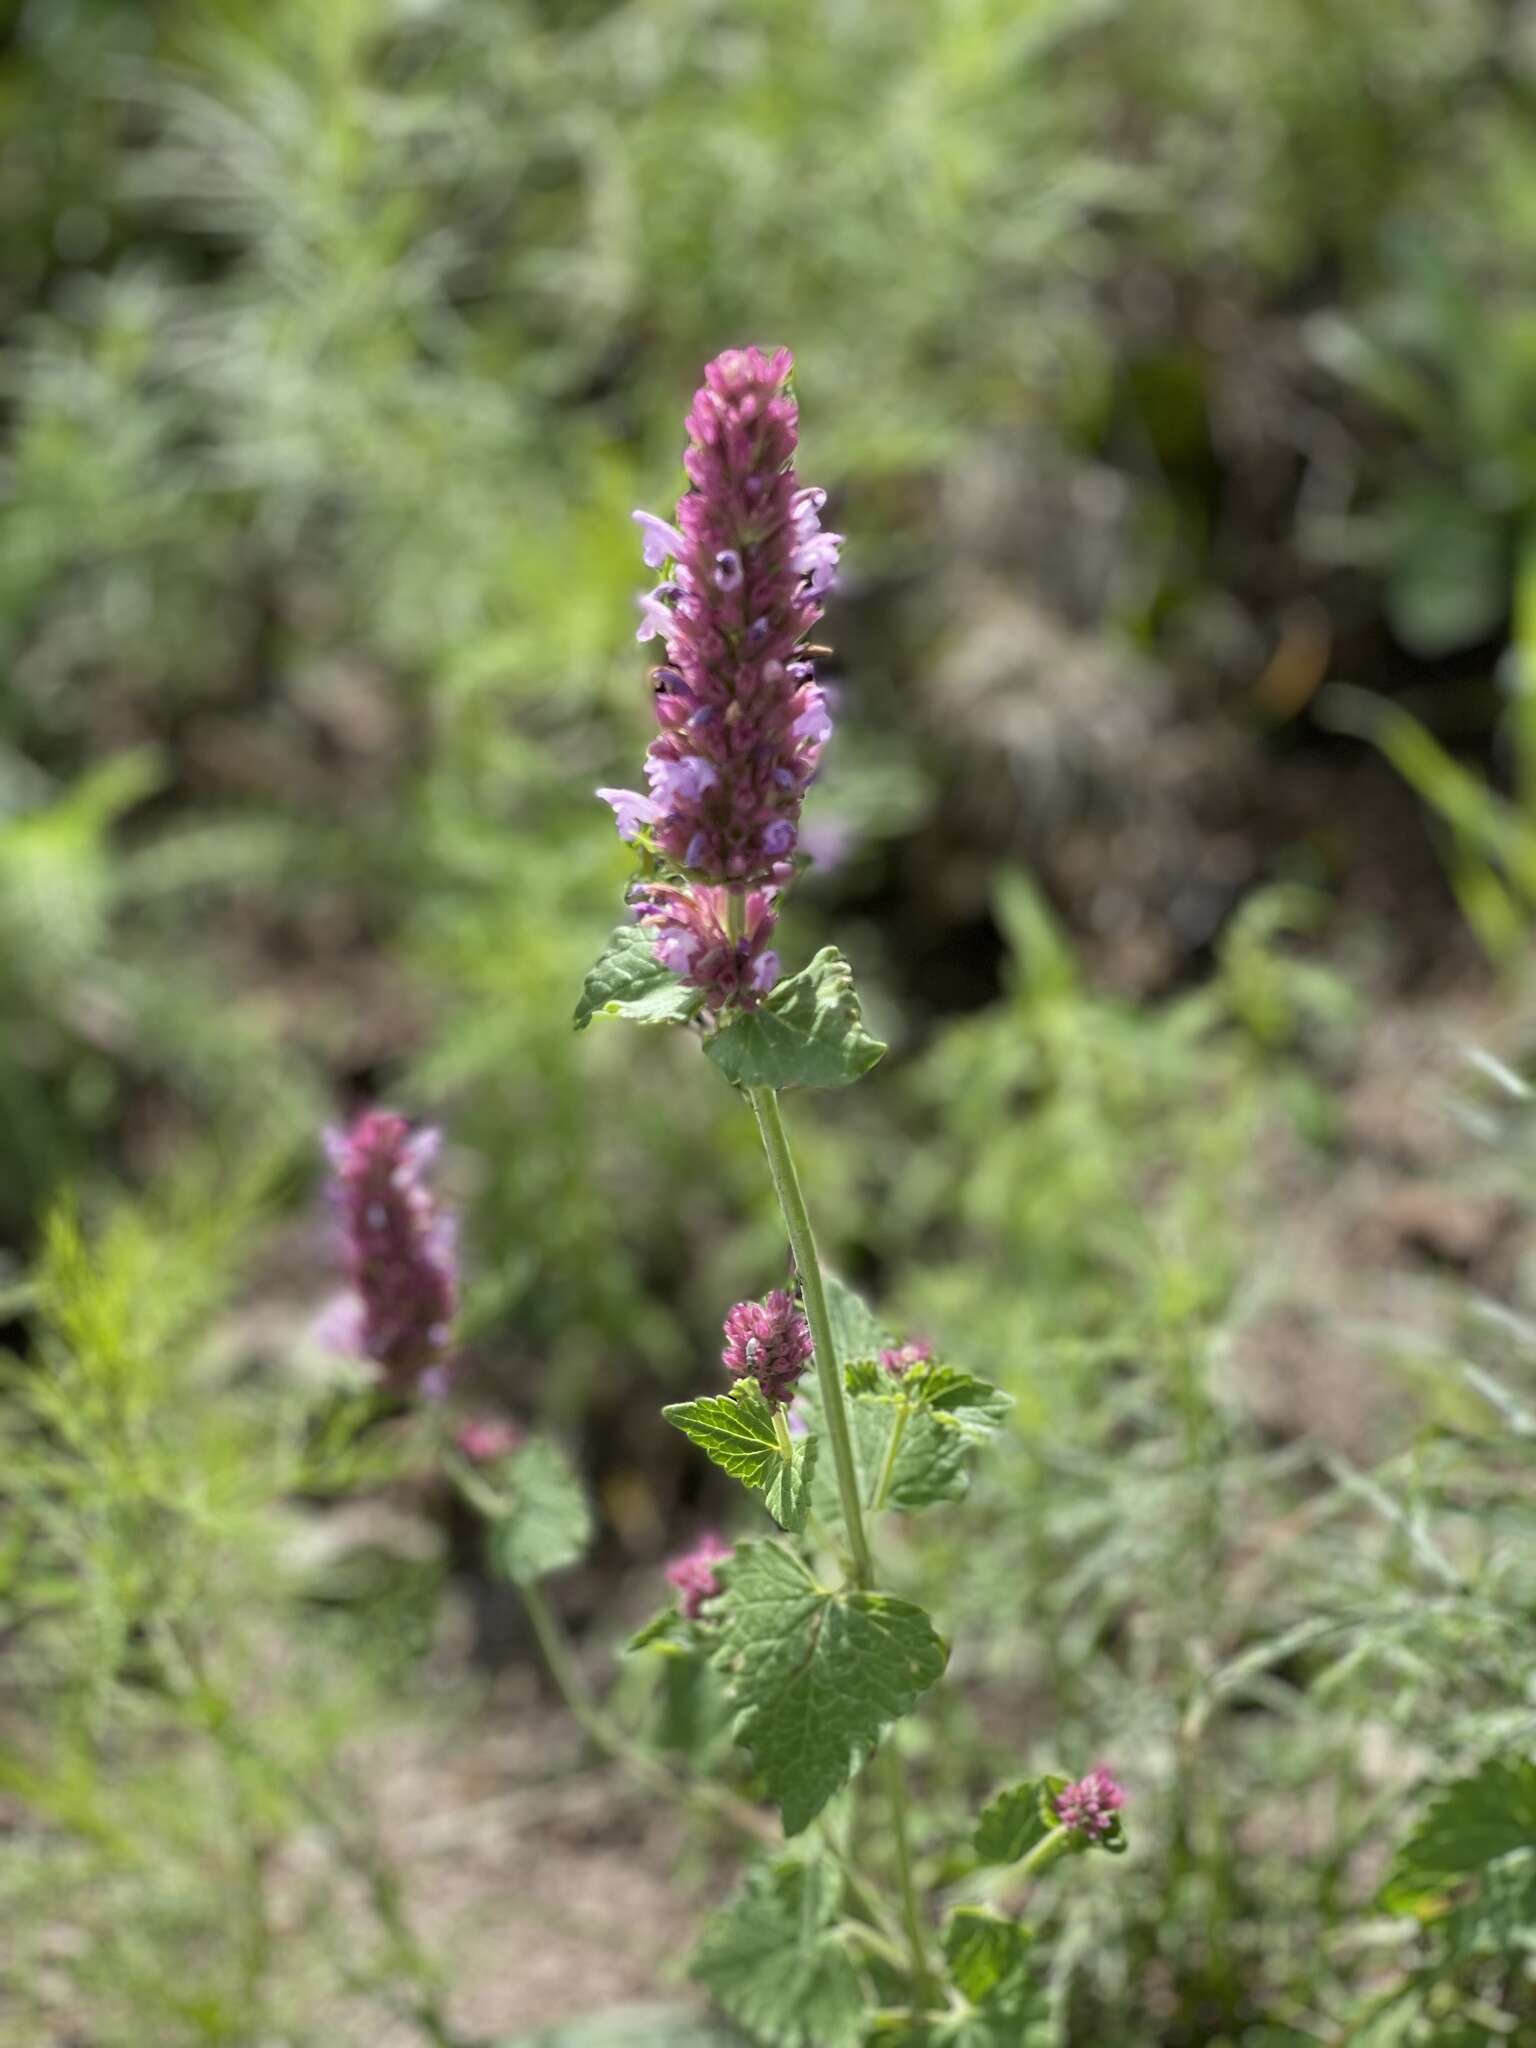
[
  {"x": 741, "y": 722},
  {"x": 693, "y": 1573},
  {"x": 398, "y": 1251}
]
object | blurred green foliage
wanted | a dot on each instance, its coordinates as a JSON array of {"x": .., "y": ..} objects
[{"x": 336, "y": 344}]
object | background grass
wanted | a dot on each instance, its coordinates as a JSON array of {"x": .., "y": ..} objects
[{"x": 1171, "y": 365}]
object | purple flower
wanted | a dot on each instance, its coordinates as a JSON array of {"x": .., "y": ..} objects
[
  {"x": 814, "y": 722},
  {"x": 680, "y": 780},
  {"x": 1088, "y": 1808},
  {"x": 656, "y": 611},
  {"x": 768, "y": 1341},
  {"x": 828, "y": 841},
  {"x": 631, "y": 810},
  {"x": 398, "y": 1250},
  {"x": 487, "y": 1439},
  {"x": 899, "y": 1361},
  {"x": 660, "y": 540},
  {"x": 693, "y": 1573},
  {"x": 690, "y": 935},
  {"x": 752, "y": 564}
]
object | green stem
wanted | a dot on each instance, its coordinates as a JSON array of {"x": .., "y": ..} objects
[
  {"x": 583, "y": 1709},
  {"x": 786, "y": 1183},
  {"x": 888, "y": 1463},
  {"x": 875, "y": 1942},
  {"x": 911, "y": 1912},
  {"x": 707, "y": 1800},
  {"x": 802, "y": 1243},
  {"x": 1045, "y": 1852},
  {"x": 781, "y": 1431},
  {"x": 861, "y": 1900}
]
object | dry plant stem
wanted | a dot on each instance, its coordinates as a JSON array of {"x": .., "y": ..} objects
[
  {"x": 709, "y": 1801},
  {"x": 802, "y": 1243}
]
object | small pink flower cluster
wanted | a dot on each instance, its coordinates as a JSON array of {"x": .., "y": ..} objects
[
  {"x": 900, "y": 1361},
  {"x": 690, "y": 935},
  {"x": 768, "y": 1341},
  {"x": 487, "y": 1439},
  {"x": 1088, "y": 1807},
  {"x": 693, "y": 1573}
]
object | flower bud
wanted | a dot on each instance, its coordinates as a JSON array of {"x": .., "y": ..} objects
[
  {"x": 487, "y": 1439},
  {"x": 1088, "y": 1808},
  {"x": 693, "y": 1573},
  {"x": 768, "y": 1341}
]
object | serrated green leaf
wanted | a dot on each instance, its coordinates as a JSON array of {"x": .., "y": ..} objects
[
  {"x": 627, "y": 980},
  {"x": 540, "y": 1522},
  {"x": 772, "y": 1963},
  {"x": 736, "y": 1432},
  {"x": 808, "y": 1033},
  {"x": 815, "y": 1677},
  {"x": 788, "y": 1492},
  {"x": 1471, "y": 1824},
  {"x": 986, "y": 1953},
  {"x": 954, "y": 1412},
  {"x": 1013, "y": 1821},
  {"x": 931, "y": 1464},
  {"x": 973, "y": 1406},
  {"x": 934, "y": 1416},
  {"x": 856, "y": 1330}
]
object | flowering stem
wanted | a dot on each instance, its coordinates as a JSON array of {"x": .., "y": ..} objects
[
  {"x": 781, "y": 1431},
  {"x": 786, "y": 1182},
  {"x": 802, "y": 1242},
  {"x": 1045, "y": 1852}
]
